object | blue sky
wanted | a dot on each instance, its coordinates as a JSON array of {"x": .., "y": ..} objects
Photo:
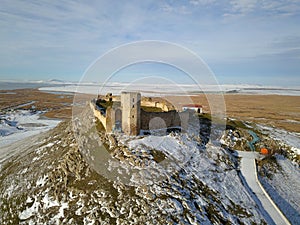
[{"x": 242, "y": 41}]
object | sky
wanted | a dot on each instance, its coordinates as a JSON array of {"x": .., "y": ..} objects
[{"x": 241, "y": 41}]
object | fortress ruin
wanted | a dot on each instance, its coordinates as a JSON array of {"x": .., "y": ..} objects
[{"x": 132, "y": 115}]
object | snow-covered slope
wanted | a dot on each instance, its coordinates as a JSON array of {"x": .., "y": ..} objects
[
  {"x": 177, "y": 180},
  {"x": 49, "y": 182},
  {"x": 282, "y": 184},
  {"x": 214, "y": 167}
]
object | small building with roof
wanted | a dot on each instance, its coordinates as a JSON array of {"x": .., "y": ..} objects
[{"x": 195, "y": 107}]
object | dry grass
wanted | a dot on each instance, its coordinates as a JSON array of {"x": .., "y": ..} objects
[
  {"x": 273, "y": 110},
  {"x": 58, "y": 106}
]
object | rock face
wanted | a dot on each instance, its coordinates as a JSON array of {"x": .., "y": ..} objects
[
  {"x": 49, "y": 182},
  {"x": 238, "y": 136}
]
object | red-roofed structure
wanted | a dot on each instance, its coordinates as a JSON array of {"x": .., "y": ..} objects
[{"x": 196, "y": 107}]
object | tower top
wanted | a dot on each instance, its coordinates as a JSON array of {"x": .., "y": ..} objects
[{"x": 130, "y": 92}]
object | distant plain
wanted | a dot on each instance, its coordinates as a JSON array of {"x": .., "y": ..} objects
[{"x": 280, "y": 111}]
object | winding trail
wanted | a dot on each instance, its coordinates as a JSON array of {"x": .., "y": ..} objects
[
  {"x": 255, "y": 139},
  {"x": 248, "y": 170}
]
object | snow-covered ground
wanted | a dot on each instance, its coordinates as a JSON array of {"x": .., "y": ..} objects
[
  {"x": 185, "y": 153},
  {"x": 206, "y": 183},
  {"x": 171, "y": 89},
  {"x": 248, "y": 169},
  {"x": 289, "y": 138},
  {"x": 283, "y": 187},
  {"x": 20, "y": 124},
  {"x": 199, "y": 164}
]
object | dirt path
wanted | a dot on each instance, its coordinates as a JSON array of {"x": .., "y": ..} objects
[{"x": 248, "y": 169}]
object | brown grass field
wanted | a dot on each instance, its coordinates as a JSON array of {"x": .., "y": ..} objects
[
  {"x": 57, "y": 106},
  {"x": 273, "y": 110}
]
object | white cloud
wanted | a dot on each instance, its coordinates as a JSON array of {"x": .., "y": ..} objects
[
  {"x": 202, "y": 2},
  {"x": 69, "y": 35},
  {"x": 243, "y": 6},
  {"x": 175, "y": 9},
  {"x": 281, "y": 7},
  {"x": 264, "y": 7}
]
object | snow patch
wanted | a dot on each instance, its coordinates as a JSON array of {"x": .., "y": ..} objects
[
  {"x": 49, "y": 202},
  {"x": 20, "y": 124},
  {"x": 29, "y": 212},
  {"x": 290, "y": 138},
  {"x": 42, "y": 181}
]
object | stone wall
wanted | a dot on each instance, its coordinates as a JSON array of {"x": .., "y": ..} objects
[
  {"x": 112, "y": 116},
  {"x": 110, "y": 119},
  {"x": 159, "y": 120},
  {"x": 157, "y": 102},
  {"x": 133, "y": 118},
  {"x": 160, "y": 105},
  {"x": 98, "y": 115}
]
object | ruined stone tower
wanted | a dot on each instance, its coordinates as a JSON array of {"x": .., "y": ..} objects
[{"x": 131, "y": 111}]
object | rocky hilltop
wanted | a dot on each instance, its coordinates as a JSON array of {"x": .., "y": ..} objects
[{"x": 49, "y": 182}]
